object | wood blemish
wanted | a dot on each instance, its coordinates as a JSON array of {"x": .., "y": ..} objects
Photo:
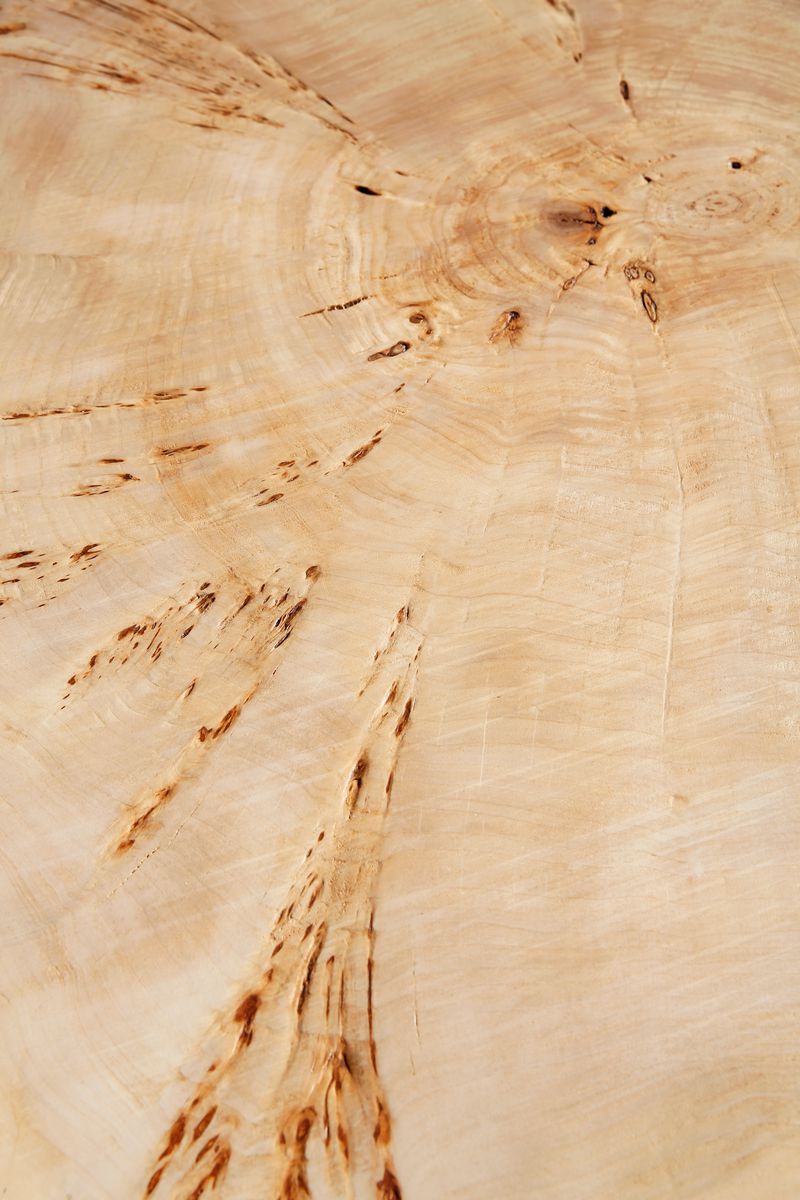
[
  {"x": 174, "y": 1137},
  {"x": 189, "y": 448},
  {"x": 355, "y": 782},
  {"x": 392, "y": 352},
  {"x": 650, "y": 307},
  {"x": 315, "y": 312},
  {"x": 405, "y": 716},
  {"x": 203, "y": 1124},
  {"x": 363, "y": 451},
  {"x": 508, "y": 326},
  {"x": 388, "y": 1187},
  {"x": 245, "y": 1015}
]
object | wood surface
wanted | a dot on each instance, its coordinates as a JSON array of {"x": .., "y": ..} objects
[{"x": 400, "y": 600}]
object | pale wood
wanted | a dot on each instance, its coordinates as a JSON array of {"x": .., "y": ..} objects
[{"x": 400, "y": 600}]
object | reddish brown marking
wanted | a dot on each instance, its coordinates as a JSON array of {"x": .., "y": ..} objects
[
  {"x": 356, "y": 780},
  {"x": 405, "y": 716},
  {"x": 220, "y": 1165},
  {"x": 175, "y": 1137},
  {"x": 313, "y": 572},
  {"x": 312, "y": 962},
  {"x": 21, "y": 554},
  {"x": 270, "y": 499},
  {"x": 166, "y": 452},
  {"x": 388, "y": 1187},
  {"x": 334, "y": 308},
  {"x": 153, "y": 1181},
  {"x": 383, "y": 1129},
  {"x": 362, "y": 452},
  {"x": 230, "y": 716},
  {"x": 246, "y": 1015},
  {"x": 391, "y": 352},
  {"x": 141, "y": 821},
  {"x": 508, "y": 325},
  {"x": 90, "y": 551},
  {"x": 293, "y": 613},
  {"x": 203, "y": 1151},
  {"x": 203, "y": 1124}
]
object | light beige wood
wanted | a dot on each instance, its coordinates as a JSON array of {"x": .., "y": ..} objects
[{"x": 401, "y": 430}]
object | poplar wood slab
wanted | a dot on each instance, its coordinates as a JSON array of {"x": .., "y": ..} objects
[{"x": 400, "y": 600}]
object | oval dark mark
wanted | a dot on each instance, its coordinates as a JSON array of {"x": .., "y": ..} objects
[
  {"x": 649, "y": 306},
  {"x": 607, "y": 212},
  {"x": 624, "y": 90},
  {"x": 735, "y": 164},
  {"x": 392, "y": 352},
  {"x": 366, "y": 191}
]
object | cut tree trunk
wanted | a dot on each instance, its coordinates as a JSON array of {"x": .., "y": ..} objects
[{"x": 400, "y": 601}]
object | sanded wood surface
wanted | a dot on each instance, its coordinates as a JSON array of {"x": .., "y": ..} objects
[{"x": 400, "y": 600}]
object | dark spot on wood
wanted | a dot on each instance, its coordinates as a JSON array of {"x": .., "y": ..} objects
[
  {"x": 650, "y": 307},
  {"x": 270, "y": 499},
  {"x": 154, "y": 1181},
  {"x": 366, "y": 191},
  {"x": 89, "y": 551},
  {"x": 383, "y": 1130},
  {"x": 607, "y": 212},
  {"x": 168, "y": 451},
  {"x": 624, "y": 89},
  {"x": 246, "y": 1015},
  {"x": 508, "y": 325},
  {"x": 405, "y": 716},
  {"x": 388, "y": 1187},
  {"x": 735, "y": 164},
  {"x": 356, "y": 780},
  {"x": 220, "y": 1164},
  {"x": 203, "y": 1124},
  {"x": 203, "y": 1151},
  {"x": 305, "y": 987},
  {"x": 174, "y": 1137},
  {"x": 361, "y": 452},
  {"x": 334, "y": 308},
  {"x": 392, "y": 352}
]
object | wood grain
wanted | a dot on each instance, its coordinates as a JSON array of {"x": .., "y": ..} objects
[{"x": 399, "y": 603}]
